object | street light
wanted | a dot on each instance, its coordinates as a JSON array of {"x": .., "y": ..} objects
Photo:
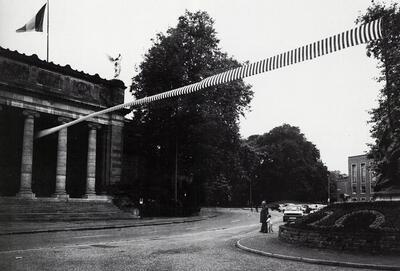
[
  {"x": 250, "y": 198},
  {"x": 329, "y": 190}
]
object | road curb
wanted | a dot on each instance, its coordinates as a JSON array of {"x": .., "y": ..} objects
[
  {"x": 158, "y": 223},
  {"x": 316, "y": 261}
]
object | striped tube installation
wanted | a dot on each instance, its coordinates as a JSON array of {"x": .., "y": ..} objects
[{"x": 361, "y": 34}]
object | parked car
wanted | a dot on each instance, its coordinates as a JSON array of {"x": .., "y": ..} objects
[
  {"x": 283, "y": 206},
  {"x": 312, "y": 208},
  {"x": 292, "y": 213}
]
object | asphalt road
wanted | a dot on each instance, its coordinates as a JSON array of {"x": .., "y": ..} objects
[{"x": 202, "y": 245}]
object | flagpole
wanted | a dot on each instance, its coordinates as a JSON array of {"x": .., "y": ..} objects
[{"x": 48, "y": 17}]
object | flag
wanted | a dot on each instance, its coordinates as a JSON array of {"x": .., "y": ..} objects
[{"x": 36, "y": 23}]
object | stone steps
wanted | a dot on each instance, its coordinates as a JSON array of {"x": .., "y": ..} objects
[{"x": 12, "y": 209}]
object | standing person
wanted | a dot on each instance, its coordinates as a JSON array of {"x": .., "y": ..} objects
[
  {"x": 269, "y": 224},
  {"x": 263, "y": 217}
]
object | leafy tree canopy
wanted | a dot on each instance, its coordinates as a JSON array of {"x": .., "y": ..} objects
[
  {"x": 386, "y": 117},
  {"x": 289, "y": 167},
  {"x": 199, "y": 131}
]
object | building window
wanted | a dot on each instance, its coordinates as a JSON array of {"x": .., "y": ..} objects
[
  {"x": 363, "y": 189},
  {"x": 354, "y": 189},
  {"x": 363, "y": 171},
  {"x": 372, "y": 178},
  {"x": 353, "y": 199},
  {"x": 362, "y": 199},
  {"x": 353, "y": 173}
]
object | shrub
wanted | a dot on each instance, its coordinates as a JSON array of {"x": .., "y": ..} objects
[{"x": 358, "y": 221}]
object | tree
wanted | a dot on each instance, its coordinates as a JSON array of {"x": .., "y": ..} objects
[
  {"x": 290, "y": 167},
  {"x": 195, "y": 135},
  {"x": 334, "y": 177},
  {"x": 243, "y": 190},
  {"x": 386, "y": 117}
]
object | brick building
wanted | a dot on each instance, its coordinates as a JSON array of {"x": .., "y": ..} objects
[
  {"x": 77, "y": 162},
  {"x": 361, "y": 178},
  {"x": 342, "y": 186}
]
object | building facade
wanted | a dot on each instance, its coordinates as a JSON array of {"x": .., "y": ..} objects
[
  {"x": 361, "y": 178},
  {"x": 80, "y": 161},
  {"x": 342, "y": 186}
]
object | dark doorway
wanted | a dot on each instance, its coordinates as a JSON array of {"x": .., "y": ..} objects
[
  {"x": 44, "y": 158},
  {"x": 11, "y": 132},
  {"x": 77, "y": 160}
]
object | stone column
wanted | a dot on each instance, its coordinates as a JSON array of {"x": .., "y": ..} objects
[
  {"x": 61, "y": 170},
  {"x": 91, "y": 162},
  {"x": 25, "y": 190}
]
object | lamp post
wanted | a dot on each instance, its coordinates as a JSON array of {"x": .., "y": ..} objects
[
  {"x": 141, "y": 207},
  {"x": 251, "y": 197},
  {"x": 176, "y": 172},
  {"x": 329, "y": 190}
]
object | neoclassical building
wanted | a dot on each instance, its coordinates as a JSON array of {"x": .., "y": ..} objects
[{"x": 80, "y": 161}]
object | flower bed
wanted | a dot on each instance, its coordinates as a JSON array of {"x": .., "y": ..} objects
[
  {"x": 367, "y": 226},
  {"x": 327, "y": 219}
]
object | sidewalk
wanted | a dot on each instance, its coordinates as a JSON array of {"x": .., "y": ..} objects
[
  {"x": 269, "y": 245},
  {"x": 24, "y": 227}
]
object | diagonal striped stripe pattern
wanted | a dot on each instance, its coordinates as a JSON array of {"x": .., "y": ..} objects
[{"x": 361, "y": 34}]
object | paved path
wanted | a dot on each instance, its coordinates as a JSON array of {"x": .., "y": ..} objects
[
  {"x": 206, "y": 244},
  {"x": 202, "y": 245},
  {"x": 23, "y": 227}
]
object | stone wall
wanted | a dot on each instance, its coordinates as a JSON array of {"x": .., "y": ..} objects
[
  {"x": 376, "y": 242},
  {"x": 133, "y": 166},
  {"x": 116, "y": 153},
  {"x": 59, "y": 84}
]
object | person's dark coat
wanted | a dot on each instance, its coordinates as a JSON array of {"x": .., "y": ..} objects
[{"x": 263, "y": 215}]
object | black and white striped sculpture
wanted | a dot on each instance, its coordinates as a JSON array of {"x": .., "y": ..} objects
[{"x": 361, "y": 34}]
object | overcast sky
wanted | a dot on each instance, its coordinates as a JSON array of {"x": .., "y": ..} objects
[{"x": 328, "y": 97}]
